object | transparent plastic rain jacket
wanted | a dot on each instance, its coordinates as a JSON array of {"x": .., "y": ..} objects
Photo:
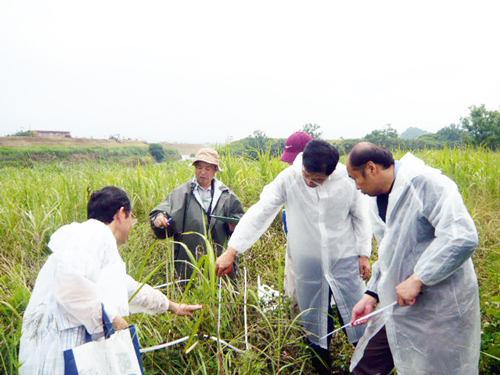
[
  {"x": 427, "y": 231},
  {"x": 328, "y": 229},
  {"x": 84, "y": 270}
]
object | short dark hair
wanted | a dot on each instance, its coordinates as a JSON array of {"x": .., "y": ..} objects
[
  {"x": 105, "y": 203},
  {"x": 320, "y": 157},
  {"x": 364, "y": 152}
]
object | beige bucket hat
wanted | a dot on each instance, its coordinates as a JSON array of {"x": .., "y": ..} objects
[{"x": 208, "y": 155}]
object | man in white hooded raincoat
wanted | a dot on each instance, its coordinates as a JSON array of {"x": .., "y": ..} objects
[
  {"x": 84, "y": 271},
  {"x": 329, "y": 236},
  {"x": 426, "y": 238}
]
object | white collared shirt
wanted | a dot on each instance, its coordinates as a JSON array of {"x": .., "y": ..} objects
[{"x": 203, "y": 196}]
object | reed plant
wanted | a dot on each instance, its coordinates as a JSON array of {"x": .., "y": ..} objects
[{"x": 35, "y": 201}]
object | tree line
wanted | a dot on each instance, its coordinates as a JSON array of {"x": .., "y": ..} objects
[{"x": 481, "y": 128}]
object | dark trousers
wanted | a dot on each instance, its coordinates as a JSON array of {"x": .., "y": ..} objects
[{"x": 377, "y": 358}]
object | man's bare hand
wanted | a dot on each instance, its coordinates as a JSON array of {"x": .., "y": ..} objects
[
  {"x": 364, "y": 267},
  {"x": 183, "y": 309},
  {"x": 224, "y": 263},
  {"x": 119, "y": 323},
  {"x": 365, "y": 306},
  {"x": 161, "y": 221},
  {"x": 408, "y": 290}
]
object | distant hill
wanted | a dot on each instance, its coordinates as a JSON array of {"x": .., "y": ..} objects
[
  {"x": 67, "y": 142},
  {"x": 184, "y": 148},
  {"x": 412, "y": 133}
]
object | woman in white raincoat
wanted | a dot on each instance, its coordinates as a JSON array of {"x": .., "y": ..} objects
[
  {"x": 84, "y": 271},
  {"x": 427, "y": 238},
  {"x": 329, "y": 233}
]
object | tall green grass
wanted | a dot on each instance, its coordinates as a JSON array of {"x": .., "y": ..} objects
[{"x": 36, "y": 201}]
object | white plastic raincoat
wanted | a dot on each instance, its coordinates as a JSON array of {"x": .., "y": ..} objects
[
  {"x": 328, "y": 229},
  {"x": 427, "y": 231},
  {"x": 84, "y": 271}
]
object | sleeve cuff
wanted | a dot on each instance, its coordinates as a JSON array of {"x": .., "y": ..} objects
[
  {"x": 373, "y": 294},
  {"x": 153, "y": 217}
]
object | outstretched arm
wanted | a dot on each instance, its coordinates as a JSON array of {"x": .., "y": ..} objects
[
  {"x": 151, "y": 301},
  {"x": 253, "y": 224},
  {"x": 224, "y": 263},
  {"x": 183, "y": 309}
]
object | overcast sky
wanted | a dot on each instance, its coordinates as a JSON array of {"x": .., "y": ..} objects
[{"x": 204, "y": 71}]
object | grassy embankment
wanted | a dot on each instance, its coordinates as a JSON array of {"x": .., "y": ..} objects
[
  {"x": 36, "y": 201},
  {"x": 26, "y": 151}
]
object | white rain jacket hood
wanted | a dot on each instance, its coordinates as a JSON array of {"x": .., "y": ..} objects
[
  {"x": 427, "y": 231},
  {"x": 328, "y": 229},
  {"x": 84, "y": 271}
]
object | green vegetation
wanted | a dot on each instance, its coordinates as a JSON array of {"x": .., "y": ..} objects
[
  {"x": 255, "y": 144},
  {"x": 36, "y": 201},
  {"x": 483, "y": 127},
  {"x": 161, "y": 154},
  {"x": 312, "y": 130},
  {"x": 26, "y": 156},
  {"x": 131, "y": 155},
  {"x": 480, "y": 129},
  {"x": 23, "y": 133},
  {"x": 157, "y": 152}
]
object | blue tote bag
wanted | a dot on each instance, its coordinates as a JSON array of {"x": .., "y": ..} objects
[{"x": 117, "y": 354}]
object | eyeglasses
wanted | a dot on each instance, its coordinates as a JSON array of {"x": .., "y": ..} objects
[
  {"x": 314, "y": 181},
  {"x": 308, "y": 180}
]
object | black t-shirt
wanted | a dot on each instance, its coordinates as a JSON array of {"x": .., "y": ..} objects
[{"x": 382, "y": 203}]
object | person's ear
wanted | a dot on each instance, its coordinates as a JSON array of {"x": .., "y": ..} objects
[
  {"x": 371, "y": 168},
  {"x": 121, "y": 214}
]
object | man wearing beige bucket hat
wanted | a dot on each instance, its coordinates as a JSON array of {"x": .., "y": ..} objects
[{"x": 197, "y": 206}]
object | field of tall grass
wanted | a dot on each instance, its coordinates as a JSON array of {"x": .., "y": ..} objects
[{"x": 36, "y": 200}]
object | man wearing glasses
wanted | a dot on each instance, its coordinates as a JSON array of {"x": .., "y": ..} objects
[{"x": 329, "y": 240}]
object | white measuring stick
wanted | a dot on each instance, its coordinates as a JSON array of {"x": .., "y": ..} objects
[
  {"x": 172, "y": 283},
  {"x": 172, "y": 343},
  {"x": 220, "y": 299},
  {"x": 166, "y": 345},
  {"x": 225, "y": 343},
  {"x": 376, "y": 312},
  {"x": 245, "y": 310}
]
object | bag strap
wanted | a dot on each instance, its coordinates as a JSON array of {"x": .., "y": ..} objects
[
  {"x": 88, "y": 336},
  {"x": 107, "y": 325}
]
